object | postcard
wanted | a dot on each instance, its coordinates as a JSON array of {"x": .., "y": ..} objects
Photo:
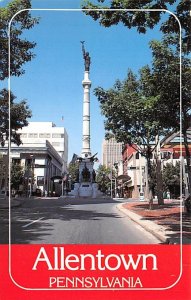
[{"x": 95, "y": 150}]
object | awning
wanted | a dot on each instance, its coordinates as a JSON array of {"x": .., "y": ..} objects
[
  {"x": 56, "y": 177},
  {"x": 127, "y": 182},
  {"x": 124, "y": 178}
]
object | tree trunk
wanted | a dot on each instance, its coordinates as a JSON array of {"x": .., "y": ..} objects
[
  {"x": 148, "y": 176},
  {"x": 7, "y": 173},
  {"x": 159, "y": 182},
  {"x": 187, "y": 160}
]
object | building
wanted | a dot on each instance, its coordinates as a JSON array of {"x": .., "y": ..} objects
[
  {"x": 43, "y": 155},
  {"x": 37, "y": 133},
  {"x": 134, "y": 164},
  {"x": 111, "y": 152}
]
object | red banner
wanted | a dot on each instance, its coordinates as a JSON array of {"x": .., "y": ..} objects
[{"x": 94, "y": 271}]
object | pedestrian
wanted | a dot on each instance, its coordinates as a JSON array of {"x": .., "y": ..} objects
[{"x": 168, "y": 195}]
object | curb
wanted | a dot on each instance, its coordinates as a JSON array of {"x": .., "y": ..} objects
[{"x": 158, "y": 231}]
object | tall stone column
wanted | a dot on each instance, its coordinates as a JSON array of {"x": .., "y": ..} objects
[
  {"x": 86, "y": 187},
  {"x": 86, "y": 83}
]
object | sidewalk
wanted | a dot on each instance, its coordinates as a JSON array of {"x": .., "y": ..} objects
[{"x": 164, "y": 221}]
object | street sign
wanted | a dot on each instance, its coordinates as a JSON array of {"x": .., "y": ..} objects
[
  {"x": 39, "y": 166},
  {"x": 135, "y": 168}
]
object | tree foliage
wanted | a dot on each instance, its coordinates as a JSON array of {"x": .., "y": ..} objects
[
  {"x": 171, "y": 178},
  {"x": 142, "y": 107},
  {"x": 130, "y": 115},
  {"x": 73, "y": 170},
  {"x": 17, "y": 175},
  {"x": 171, "y": 174},
  {"x": 20, "y": 48},
  {"x": 102, "y": 177},
  {"x": 102, "y": 172},
  {"x": 19, "y": 112},
  {"x": 20, "y": 52},
  {"x": 142, "y": 20},
  {"x": 162, "y": 79}
]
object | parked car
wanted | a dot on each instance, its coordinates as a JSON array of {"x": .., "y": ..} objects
[{"x": 37, "y": 193}]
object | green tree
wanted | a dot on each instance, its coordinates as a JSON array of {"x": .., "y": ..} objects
[
  {"x": 20, "y": 48},
  {"x": 171, "y": 178},
  {"x": 19, "y": 113},
  {"x": 17, "y": 175},
  {"x": 20, "y": 52},
  {"x": 142, "y": 20},
  {"x": 131, "y": 116},
  {"x": 162, "y": 80},
  {"x": 102, "y": 177},
  {"x": 73, "y": 170}
]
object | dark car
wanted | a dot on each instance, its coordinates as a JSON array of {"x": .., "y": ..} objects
[{"x": 37, "y": 193}]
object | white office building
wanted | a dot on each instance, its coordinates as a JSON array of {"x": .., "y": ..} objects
[
  {"x": 43, "y": 155},
  {"x": 37, "y": 133}
]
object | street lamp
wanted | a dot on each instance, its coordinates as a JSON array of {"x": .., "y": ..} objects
[
  {"x": 116, "y": 170},
  {"x": 111, "y": 175}
]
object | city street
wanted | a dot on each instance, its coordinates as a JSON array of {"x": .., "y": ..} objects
[{"x": 71, "y": 221}]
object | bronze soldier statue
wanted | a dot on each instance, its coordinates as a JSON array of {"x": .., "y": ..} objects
[{"x": 86, "y": 57}]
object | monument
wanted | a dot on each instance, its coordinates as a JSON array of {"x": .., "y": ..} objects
[{"x": 86, "y": 187}]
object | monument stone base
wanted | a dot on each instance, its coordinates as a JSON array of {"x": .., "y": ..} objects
[{"x": 85, "y": 189}]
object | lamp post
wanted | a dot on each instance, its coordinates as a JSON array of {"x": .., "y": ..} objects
[
  {"x": 62, "y": 186},
  {"x": 31, "y": 178},
  {"x": 116, "y": 174},
  {"x": 111, "y": 184}
]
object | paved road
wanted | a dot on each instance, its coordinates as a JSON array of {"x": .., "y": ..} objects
[{"x": 95, "y": 221}]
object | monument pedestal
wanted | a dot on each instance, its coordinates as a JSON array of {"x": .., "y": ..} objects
[
  {"x": 75, "y": 191},
  {"x": 85, "y": 189}
]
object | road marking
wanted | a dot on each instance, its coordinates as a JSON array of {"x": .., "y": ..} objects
[{"x": 26, "y": 225}]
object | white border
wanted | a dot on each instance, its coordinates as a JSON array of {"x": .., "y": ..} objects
[{"x": 9, "y": 143}]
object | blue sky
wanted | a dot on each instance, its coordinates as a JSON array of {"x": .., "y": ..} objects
[{"x": 52, "y": 81}]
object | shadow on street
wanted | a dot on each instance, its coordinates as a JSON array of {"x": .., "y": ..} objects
[{"x": 46, "y": 209}]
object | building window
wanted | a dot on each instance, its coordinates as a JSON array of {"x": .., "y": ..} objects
[
  {"x": 57, "y": 135},
  {"x": 44, "y": 135},
  {"x": 40, "y": 180},
  {"x": 137, "y": 155},
  {"x": 33, "y": 135}
]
